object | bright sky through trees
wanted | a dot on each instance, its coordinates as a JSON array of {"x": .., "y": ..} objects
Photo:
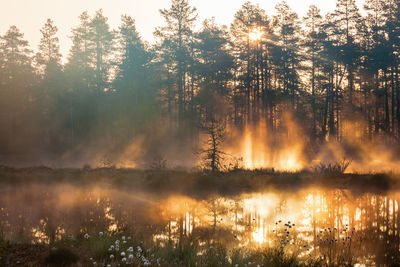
[{"x": 29, "y": 16}]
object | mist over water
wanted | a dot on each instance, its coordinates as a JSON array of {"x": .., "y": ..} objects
[
  {"x": 253, "y": 147},
  {"x": 293, "y": 150}
]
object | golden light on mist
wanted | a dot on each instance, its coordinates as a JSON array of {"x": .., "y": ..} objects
[
  {"x": 258, "y": 150},
  {"x": 259, "y": 235},
  {"x": 290, "y": 159}
]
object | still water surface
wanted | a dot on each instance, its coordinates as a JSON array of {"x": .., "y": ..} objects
[{"x": 314, "y": 222}]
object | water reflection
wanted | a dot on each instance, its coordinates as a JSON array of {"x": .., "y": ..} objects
[{"x": 333, "y": 225}]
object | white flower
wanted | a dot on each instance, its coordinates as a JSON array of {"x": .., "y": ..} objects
[
  {"x": 124, "y": 241},
  {"x": 123, "y": 237},
  {"x": 111, "y": 256},
  {"x": 94, "y": 263},
  {"x": 131, "y": 256},
  {"x": 123, "y": 259},
  {"x": 122, "y": 254},
  {"x": 139, "y": 249},
  {"x": 101, "y": 233},
  {"x": 86, "y": 236},
  {"x": 117, "y": 248},
  {"x": 130, "y": 249},
  {"x": 108, "y": 265}
]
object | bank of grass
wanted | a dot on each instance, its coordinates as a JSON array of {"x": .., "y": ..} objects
[{"x": 202, "y": 183}]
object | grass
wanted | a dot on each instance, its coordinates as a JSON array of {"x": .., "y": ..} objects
[
  {"x": 185, "y": 254},
  {"x": 333, "y": 168},
  {"x": 96, "y": 250},
  {"x": 201, "y": 184}
]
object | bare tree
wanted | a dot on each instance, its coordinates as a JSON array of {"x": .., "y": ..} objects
[{"x": 213, "y": 155}]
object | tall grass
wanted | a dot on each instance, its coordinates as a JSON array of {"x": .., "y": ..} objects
[{"x": 333, "y": 168}]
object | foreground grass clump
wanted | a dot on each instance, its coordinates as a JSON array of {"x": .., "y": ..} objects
[{"x": 125, "y": 250}]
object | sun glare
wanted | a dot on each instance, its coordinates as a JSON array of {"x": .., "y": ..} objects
[
  {"x": 258, "y": 236},
  {"x": 256, "y": 34}
]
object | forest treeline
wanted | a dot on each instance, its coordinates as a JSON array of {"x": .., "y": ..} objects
[{"x": 113, "y": 87}]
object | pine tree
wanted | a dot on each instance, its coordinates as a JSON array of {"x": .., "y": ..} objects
[
  {"x": 214, "y": 69},
  {"x": 215, "y": 61},
  {"x": 347, "y": 20},
  {"x": 375, "y": 62},
  {"x": 80, "y": 104},
  {"x": 136, "y": 79},
  {"x": 135, "y": 59},
  {"x": 102, "y": 39},
  {"x": 16, "y": 87},
  {"x": 392, "y": 52},
  {"x": 79, "y": 69},
  {"x": 287, "y": 26},
  {"x": 52, "y": 84},
  {"x": 313, "y": 44},
  {"x": 175, "y": 41},
  {"x": 331, "y": 78},
  {"x": 49, "y": 57},
  {"x": 17, "y": 58},
  {"x": 249, "y": 30}
]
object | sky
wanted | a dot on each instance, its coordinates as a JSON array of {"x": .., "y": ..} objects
[{"x": 30, "y": 15}]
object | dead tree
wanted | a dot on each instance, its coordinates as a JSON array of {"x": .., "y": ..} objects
[{"x": 213, "y": 156}]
